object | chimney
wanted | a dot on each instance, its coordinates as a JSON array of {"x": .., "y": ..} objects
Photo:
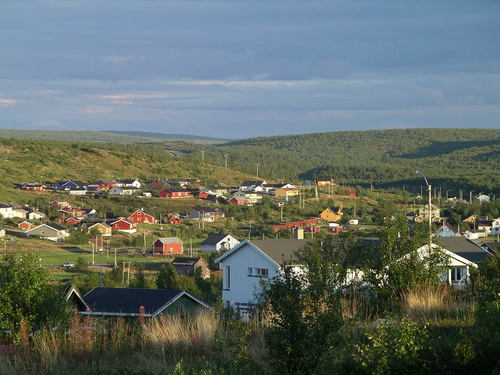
[{"x": 299, "y": 233}]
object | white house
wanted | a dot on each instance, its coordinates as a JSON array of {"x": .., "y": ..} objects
[
  {"x": 247, "y": 264},
  {"x": 219, "y": 242},
  {"x": 464, "y": 255},
  {"x": 495, "y": 227},
  {"x": 8, "y": 211}
]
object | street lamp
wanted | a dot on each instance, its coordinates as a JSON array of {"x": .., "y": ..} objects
[
  {"x": 430, "y": 192},
  {"x": 100, "y": 266}
]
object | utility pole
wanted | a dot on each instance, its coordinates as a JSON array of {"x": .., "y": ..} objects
[
  {"x": 257, "y": 169},
  {"x": 226, "y": 160},
  {"x": 203, "y": 155}
]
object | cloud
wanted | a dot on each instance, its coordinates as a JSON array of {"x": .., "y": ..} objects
[
  {"x": 4, "y": 103},
  {"x": 96, "y": 110}
]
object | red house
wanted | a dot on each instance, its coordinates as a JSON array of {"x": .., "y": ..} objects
[
  {"x": 72, "y": 221},
  {"x": 123, "y": 225},
  {"x": 312, "y": 229},
  {"x": 203, "y": 195},
  {"x": 25, "y": 225},
  {"x": 334, "y": 229},
  {"x": 170, "y": 245},
  {"x": 62, "y": 204},
  {"x": 238, "y": 201},
  {"x": 175, "y": 193},
  {"x": 105, "y": 184},
  {"x": 140, "y": 216}
]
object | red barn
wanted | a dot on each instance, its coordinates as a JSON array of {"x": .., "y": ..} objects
[{"x": 170, "y": 245}]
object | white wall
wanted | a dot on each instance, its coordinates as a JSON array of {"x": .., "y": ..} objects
[{"x": 242, "y": 286}]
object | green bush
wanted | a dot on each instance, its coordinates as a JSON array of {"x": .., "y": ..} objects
[{"x": 393, "y": 347}]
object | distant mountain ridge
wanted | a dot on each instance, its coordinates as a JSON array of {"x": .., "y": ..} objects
[
  {"x": 106, "y": 136},
  {"x": 164, "y": 136}
]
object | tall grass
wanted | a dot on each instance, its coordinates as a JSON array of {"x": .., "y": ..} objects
[
  {"x": 438, "y": 303},
  {"x": 88, "y": 345}
]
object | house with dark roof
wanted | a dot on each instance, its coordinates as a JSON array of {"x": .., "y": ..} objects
[
  {"x": 447, "y": 230},
  {"x": 463, "y": 256},
  {"x": 188, "y": 265},
  {"x": 331, "y": 214},
  {"x": 52, "y": 232},
  {"x": 247, "y": 264},
  {"x": 206, "y": 214},
  {"x": 219, "y": 242},
  {"x": 132, "y": 302}
]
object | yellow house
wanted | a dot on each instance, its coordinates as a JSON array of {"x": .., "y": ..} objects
[
  {"x": 332, "y": 214},
  {"x": 287, "y": 192},
  {"x": 324, "y": 180},
  {"x": 103, "y": 228}
]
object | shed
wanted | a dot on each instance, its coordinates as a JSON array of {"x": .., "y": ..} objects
[{"x": 168, "y": 245}]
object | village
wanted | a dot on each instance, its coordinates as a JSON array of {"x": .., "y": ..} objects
[{"x": 241, "y": 262}]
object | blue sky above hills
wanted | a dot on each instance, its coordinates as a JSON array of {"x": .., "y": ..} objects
[{"x": 239, "y": 69}]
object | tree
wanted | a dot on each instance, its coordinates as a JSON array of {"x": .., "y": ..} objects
[
  {"x": 304, "y": 309},
  {"x": 167, "y": 277},
  {"x": 395, "y": 265},
  {"x": 26, "y": 295}
]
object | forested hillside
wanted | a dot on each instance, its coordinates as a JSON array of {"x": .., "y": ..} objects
[
  {"x": 46, "y": 161},
  {"x": 453, "y": 158}
]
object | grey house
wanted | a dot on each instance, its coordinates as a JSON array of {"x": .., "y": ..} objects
[{"x": 53, "y": 232}]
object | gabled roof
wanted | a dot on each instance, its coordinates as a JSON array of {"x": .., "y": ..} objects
[
  {"x": 104, "y": 225},
  {"x": 464, "y": 248},
  {"x": 56, "y": 226},
  {"x": 169, "y": 240},
  {"x": 214, "y": 239},
  {"x": 186, "y": 261},
  {"x": 449, "y": 226},
  {"x": 252, "y": 183},
  {"x": 335, "y": 209},
  {"x": 208, "y": 209},
  {"x": 491, "y": 246},
  {"x": 277, "y": 250},
  {"x": 128, "y": 301},
  {"x": 124, "y": 220}
]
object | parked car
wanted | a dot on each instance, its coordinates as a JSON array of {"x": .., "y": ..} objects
[{"x": 67, "y": 265}]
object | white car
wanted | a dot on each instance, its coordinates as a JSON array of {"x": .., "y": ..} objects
[{"x": 67, "y": 265}]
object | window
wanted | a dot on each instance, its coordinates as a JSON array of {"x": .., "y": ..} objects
[
  {"x": 227, "y": 277},
  {"x": 264, "y": 272},
  {"x": 458, "y": 274},
  {"x": 259, "y": 272}
]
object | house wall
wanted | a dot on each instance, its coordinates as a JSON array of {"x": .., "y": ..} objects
[
  {"x": 242, "y": 287},
  {"x": 184, "y": 305},
  {"x": 173, "y": 248}
]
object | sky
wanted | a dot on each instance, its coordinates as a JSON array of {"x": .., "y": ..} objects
[{"x": 241, "y": 69}]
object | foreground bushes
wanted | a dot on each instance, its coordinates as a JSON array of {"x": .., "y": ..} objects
[{"x": 207, "y": 344}]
